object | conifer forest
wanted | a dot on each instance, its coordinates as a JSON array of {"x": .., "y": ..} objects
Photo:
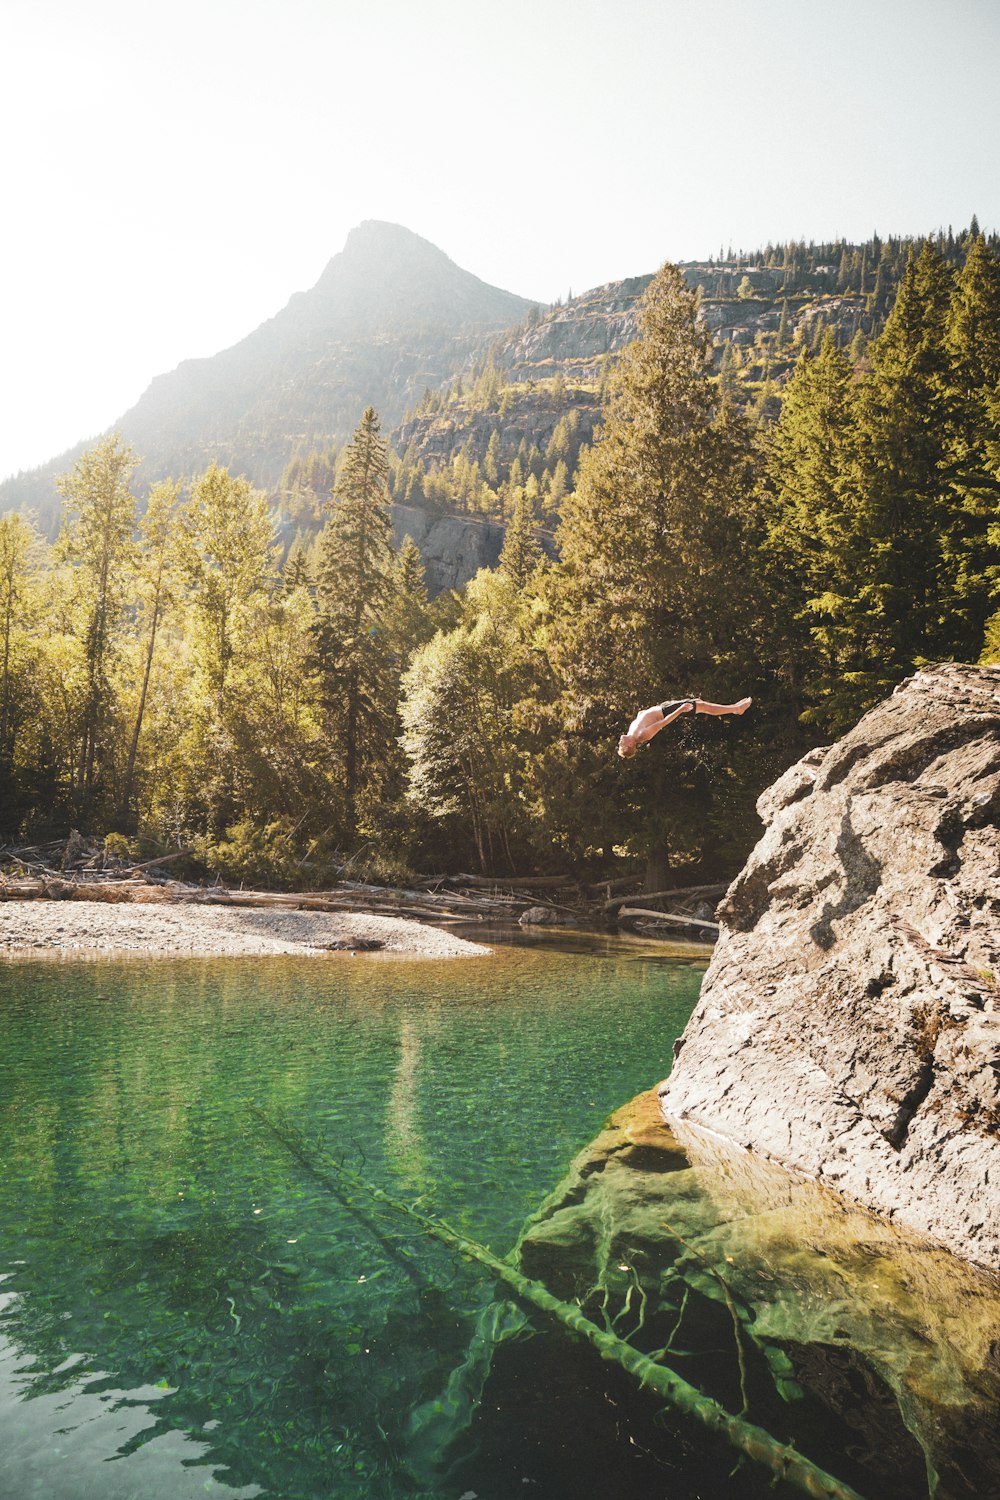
[{"x": 267, "y": 680}]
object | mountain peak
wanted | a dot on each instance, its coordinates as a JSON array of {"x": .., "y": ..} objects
[
  {"x": 380, "y": 233},
  {"x": 387, "y": 274},
  {"x": 390, "y": 315}
]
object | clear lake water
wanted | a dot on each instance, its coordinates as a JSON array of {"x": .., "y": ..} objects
[{"x": 186, "y": 1308}]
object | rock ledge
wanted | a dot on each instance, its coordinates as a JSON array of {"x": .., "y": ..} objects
[{"x": 849, "y": 1023}]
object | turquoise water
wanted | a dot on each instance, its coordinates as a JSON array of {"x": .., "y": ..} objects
[{"x": 185, "y": 1308}]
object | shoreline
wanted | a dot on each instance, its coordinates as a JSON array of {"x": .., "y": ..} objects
[{"x": 181, "y": 930}]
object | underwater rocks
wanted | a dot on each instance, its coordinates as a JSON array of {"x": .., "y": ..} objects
[
  {"x": 849, "y": 1023},
  {"x": 870, "y": 1348}
]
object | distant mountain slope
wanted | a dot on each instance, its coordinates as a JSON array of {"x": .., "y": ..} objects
[
  {"x": 537, "y": 393},
  {"x": 482, "y": 391},
  {"x": 389, "y": 316}
]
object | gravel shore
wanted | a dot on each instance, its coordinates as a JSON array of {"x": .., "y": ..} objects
[{"x": 179, "y": 930}]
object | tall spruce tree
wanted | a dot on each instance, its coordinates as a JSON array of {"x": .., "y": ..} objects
[
  {"x": 653, "y": 598},
  {"x": 886, "y": 609},
  {"x": 353, "y": 588},
  {"x": 970, "y": 540},
  {"x": 521, "y": 554},
  {"x": 811, "y": 543}
]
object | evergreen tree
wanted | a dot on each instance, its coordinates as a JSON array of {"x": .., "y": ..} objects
[
  {"x": 728, "y": 384},
  {"x": 904, "y": 427},
  {"x": 353, "y": 589},
  {"x": 491, "y": 462},
  {"x": 887, "y": 600},
  {"x": 973, "y": 332},
  {"x": 810, "y": 543},
  {"x": 297, "y": 573},
  {"x": 408, "y": 618},
  {"x": 521, "y": 555},
  {"x": 970, "y": 541},
  {"x": 558, "y": 487},
  {"x": 652, "y": 599}
]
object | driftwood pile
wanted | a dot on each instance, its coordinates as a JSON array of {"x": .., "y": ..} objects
[{"x": 73, "y": 869}]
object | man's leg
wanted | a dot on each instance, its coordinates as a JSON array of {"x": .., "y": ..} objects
[{"x": 717, "y": 709}]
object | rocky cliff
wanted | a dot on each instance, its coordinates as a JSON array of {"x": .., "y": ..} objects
[
  {"x": 453, "y": 548},
  {"x": 849, "y": 1023}
]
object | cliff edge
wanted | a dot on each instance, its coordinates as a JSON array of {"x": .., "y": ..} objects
[{"x": 849, "y": 1023}]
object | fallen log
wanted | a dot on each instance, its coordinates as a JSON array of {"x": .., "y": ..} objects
[
  {"x": 670, "y": 918},
  {"x": 620, "y": 883},
  {"x": 161, "y": 859},
  {"x": 511, "y": 882},
  {"x": 130, "y": 891},
  {"x": 674, "y": 893}
]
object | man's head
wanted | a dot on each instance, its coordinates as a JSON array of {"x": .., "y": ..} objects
[{"x": 627, "y": 746}]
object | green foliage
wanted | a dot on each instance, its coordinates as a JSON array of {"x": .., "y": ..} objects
[
  {"x": 98, "y": 537},
  {"x": 172, "y": 680},
  {"x": 522, "y": 554},
  {"x": 882, "y": 535},
  {"x": 351, "y": 643},
  {"x": 228, "y": 555},
  {"x": 246, "y": 851},
  {"x": 458, "y": 714},
  {"x": 654, "y": 597}
]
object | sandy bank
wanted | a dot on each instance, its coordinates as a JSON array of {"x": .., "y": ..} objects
[{"x": 180, "y": 931}]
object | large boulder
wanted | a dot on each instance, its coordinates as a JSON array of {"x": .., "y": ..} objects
[{"x": 849, "y": 1023}]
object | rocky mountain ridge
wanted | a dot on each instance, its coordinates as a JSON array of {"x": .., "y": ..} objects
[
  {"x": 389, "y": 316},
  {"x": 464, "y": 374}
]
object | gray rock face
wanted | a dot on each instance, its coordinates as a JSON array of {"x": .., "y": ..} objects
[
  {"x": 453, "y": 548},
  {"x": 849, "y": 1023}
]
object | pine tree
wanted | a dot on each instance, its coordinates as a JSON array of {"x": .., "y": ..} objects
[
  {"x": 408, "y": 621},
  {"x": 521, "y": 555},
  {"x": 353, "y": 590},
  {"x": 558, "y": 487},
  {"x": 970, "y": 540},
  {"x": 810, "y": 543},
  {"x": 652, "y": 598},
  {"x": 973, "y": 333},
  {"x": 728, "y": 384},
  {"x": 296, "y": 572},
  {"x": 491, "y": 462},
  {"x": 896, "y": 613}
]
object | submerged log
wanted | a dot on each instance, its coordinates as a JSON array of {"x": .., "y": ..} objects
[{"x": 783, "y": 1461}]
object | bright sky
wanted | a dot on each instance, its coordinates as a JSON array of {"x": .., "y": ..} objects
[{"x": 173, "y": 173}]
